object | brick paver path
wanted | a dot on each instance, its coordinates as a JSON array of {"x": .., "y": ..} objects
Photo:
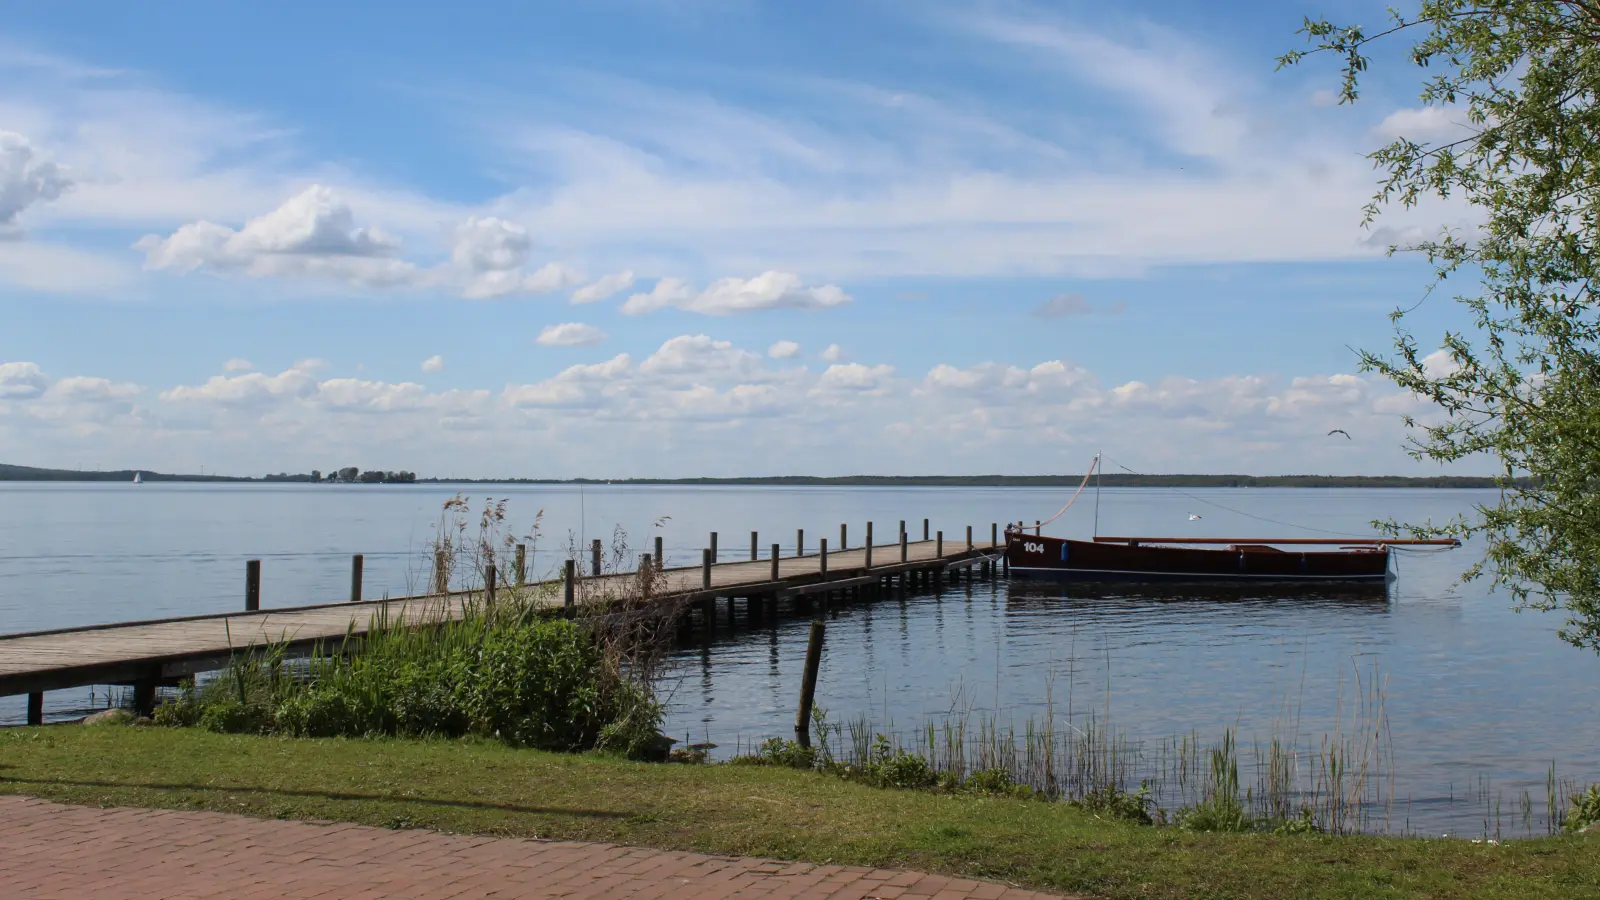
[{"x": 48, "y": 850}]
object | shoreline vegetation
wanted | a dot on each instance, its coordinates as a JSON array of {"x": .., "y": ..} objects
[{"x": 1112, "y": 480}]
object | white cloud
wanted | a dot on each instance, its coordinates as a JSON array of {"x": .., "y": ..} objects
[
  {"x": 855, "y": 378},
  {"x": 570, "y": 334},
  {"x": 769, "y": 290},
  {"x": 1440, "y": 364},
  {"x": 21, "y": 380},
  {"x": 238, "y": 365},
  {"x": 491, "y": 254},
  {"x": 84, "y": 389},
  {"x": 603, "y": 287},
  {"x": 784, "y": 350},
  {"x": 833, "y": 353},
  {"x": 698, "y": 355},
  {"x": 433, "y": 364},
  {"x": 1426, "y": 125},
  {"x": 26, "y": 178}
]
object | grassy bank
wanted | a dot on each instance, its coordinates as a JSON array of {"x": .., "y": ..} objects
[{"x": 486, "y": 787}]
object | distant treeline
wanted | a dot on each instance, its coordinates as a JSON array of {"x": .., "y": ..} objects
[{"x": 375, "y": 476}]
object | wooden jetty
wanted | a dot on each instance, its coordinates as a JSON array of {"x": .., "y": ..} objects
[{"x": 148, "y": 654}]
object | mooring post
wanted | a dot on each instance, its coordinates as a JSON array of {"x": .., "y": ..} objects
[
  {"x": 1038, "y": 527},
  {"x": 822, "y": 550},
  {"x": 774, "y": 562},
  {"x": 994, "y": 534},
  {"x": 661, "y": 560},
  {"x": 799, "y": 542},
  {"x": 844, "y": 543},
  {"x": 36, "y": 708},
  {"x": 924, "y": 529},
  {"x": 938, "y": 547},
  {"x": 488, "y": 584},
  {"x": 713, "y": 546},
  {"x": 355, "y": 578},
  {"x": 868, "y": 545},
  {"x": 522, "y": 564},
  {"x": 252, "y": 585},
  {"x": 902, "y": 542},
  {"x": 969, "y": 538},
  {"x": 705, "y": 568},
  {"x": 755, "y": 551},
  {"x": 645, "y": 574},
  {"x": 570, "y": 586},
  {"x": 808, "y": 683},
  {"x": 594, "y": 557},
  {"x": 441, "y": 573}
]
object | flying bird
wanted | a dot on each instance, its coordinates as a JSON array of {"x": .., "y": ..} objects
[
  {"x": 1340, "y": 431},
  {"x": 1192, "y": 517}
]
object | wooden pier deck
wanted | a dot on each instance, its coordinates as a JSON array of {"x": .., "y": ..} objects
[{"x": 163, "y": 652}]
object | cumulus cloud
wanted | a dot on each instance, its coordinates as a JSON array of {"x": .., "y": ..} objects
[
  {"x": 603, "y": 287},
  {"x": 238, "y": 365},
  {"x": 769, "y": 290},
  {"x": 833, "y": 353},
  {"x": 570, "y": 334},
  {"x": 433, "y": 364},
  {"x": 21, "y": 380},
  {"x": 1426, "y": 125},
  {"x": 784, "y": 350},
  {"x": 492, "y": 253},
  {"x": 699, "y": 355},
  {"x": 854, "y": 378},
  {"x": 26, "y": 178}
]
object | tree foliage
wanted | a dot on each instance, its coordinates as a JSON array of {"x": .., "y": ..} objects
[{"x": 1523, "y": 385}]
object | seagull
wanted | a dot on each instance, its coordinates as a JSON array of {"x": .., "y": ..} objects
[
  {"x": 1193, "y": 517},
  {"x": 1340, "y": 431}
]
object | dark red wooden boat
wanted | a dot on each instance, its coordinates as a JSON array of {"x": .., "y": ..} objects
[{"x": 1213, "y": 559}]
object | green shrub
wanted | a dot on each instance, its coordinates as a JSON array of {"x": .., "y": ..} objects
[
  {"x": 897, "y": 768},
  {"x": 1585, "y": 809},
  {"x": 990, "y": 781},
  {"x": 233, "y": 717},
  {"x": 780, "y": 752},
  {"x": 1112, "y": 800}
]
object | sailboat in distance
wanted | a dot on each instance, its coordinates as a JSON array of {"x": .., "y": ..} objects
[{"x": 138, "y": 478}]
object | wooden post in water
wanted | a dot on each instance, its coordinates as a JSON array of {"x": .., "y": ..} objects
[
  {"x": 713, "y": 547},
  {"x": 799, "y": 542},
  {"x": 868, "y": 545},
  {"x": 924, "y": 529},
  {"x": 808, "y": 683},
  {"x": 705, "y": 568},
  {"x": 969, "y": 538},
  {"x": 774, "y": 562},
  {"x": 823, "y": 550},
  {"x": 570, "y": 587},
  {"x": 252, "y": 585},
  {"x": 994, "y": 534},
  {"x": 755, "y": 551},
  {"x": 938, "y": 546},
  {"x": 594, "y": 557},
  {"x": 356, "y": 562},
  {"x": 844, "y": 543},
  {"x": 441, "y": 573},
  {"x": 661, "y": 560},
  {"x": 902, "y": 542},
  {"x": 36, "y": 708},
  {"x": 522, "y": 564}
]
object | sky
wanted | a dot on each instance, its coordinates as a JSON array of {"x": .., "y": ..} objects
[{"x": 678, "y": 238}]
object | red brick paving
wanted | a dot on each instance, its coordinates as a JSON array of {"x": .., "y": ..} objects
[{"x": 53, "y": 852}]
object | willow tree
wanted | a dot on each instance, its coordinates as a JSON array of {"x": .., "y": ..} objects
[{"x": 1522, "y": 385}]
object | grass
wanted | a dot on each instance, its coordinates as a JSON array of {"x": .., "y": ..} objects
[{"x": 484, "y": 787}]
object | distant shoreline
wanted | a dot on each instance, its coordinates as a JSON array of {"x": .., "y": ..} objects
[{"x": 28, "y": 473}]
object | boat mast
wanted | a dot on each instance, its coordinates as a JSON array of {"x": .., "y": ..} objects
[{"x": 1097, "y": 470}]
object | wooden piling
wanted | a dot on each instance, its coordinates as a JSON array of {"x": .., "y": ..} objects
[
  {"x": 356, "y": 562},
  {"x": 661, "y": 560},
  {"x": 903, "y": 548},
  {"x": 969, "y": 538},
  {"x": 800, "y": 542},
  {"x": 252, "y": 585},
  {"x": 823, "y": 561},
  {"x": 808, "y": 683},
  {"x": 924, "y": 529},
  {"x": 844, "y": 541},
  {"x": 594, "y": 557},
  {"x": 868, "y": 546},
  {"x": 144, "y": 696},
  {"x": 938, "y": 546},
  {"x": 705, "y": 568},
  {"x": 489, "y": 577},
  {"x": 569, "y": 586},
  {"x": 755, "y": 552},
  {"x": 36, "y": 708},
  {"x": 774, "y": 562},
  {"x": 521, "y": 564},
  {"x": 646, "y": 574},
  {"x": 713, "y": 547},
  {"x": 441, "y": 572}
]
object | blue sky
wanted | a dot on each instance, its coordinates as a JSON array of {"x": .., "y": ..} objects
[{"x": 669, "y": 237}]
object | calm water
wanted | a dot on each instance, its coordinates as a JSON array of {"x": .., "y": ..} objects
[{"x": 1480, "y": 700}]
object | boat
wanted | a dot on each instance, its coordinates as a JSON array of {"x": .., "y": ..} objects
[
  {"x": 1332, "y": 560},
  {"x": 138, "y": 478}
]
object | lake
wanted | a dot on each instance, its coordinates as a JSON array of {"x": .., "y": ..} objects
[{"x": 1480, "y": 701}]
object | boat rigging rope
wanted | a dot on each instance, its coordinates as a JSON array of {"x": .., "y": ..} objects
[
  {"x": 1074, "y": 499},
  {"x": 1239, "y": 512}
]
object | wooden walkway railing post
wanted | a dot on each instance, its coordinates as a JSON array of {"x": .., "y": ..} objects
[
  {"x": 252, "y": 585},
  {"x": 489, "y": 584},
  {"x": 844, "y": 541},
  {"x": 522, "y": 564},
  {"x": 903, "y": 546},
  {"x": 755, "y": 552},
  {"x": 661, "y": 559},
  {"x": 969, "y": 538},
  {"x": 823, "y": 561},
  {"x": 924, "y": 529},
  {"x": 569, "y": 587},
  {"x": 774, "y": 562},
  {"x": 799, "y": 542},
  {"x": 938, "y": 546},
  {"x": 868, "y": 545},
  {"x": 713, "y": 547},
  {"x": 355, "y": 578},
  {"x": 705, "y": 568},
  {"x": 594, "y": 557}
]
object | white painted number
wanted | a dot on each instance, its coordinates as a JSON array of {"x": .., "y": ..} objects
[{"x": 1033, "y": 548}]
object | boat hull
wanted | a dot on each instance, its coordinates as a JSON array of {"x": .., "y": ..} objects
[{"x": 1035, "y": 556}]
